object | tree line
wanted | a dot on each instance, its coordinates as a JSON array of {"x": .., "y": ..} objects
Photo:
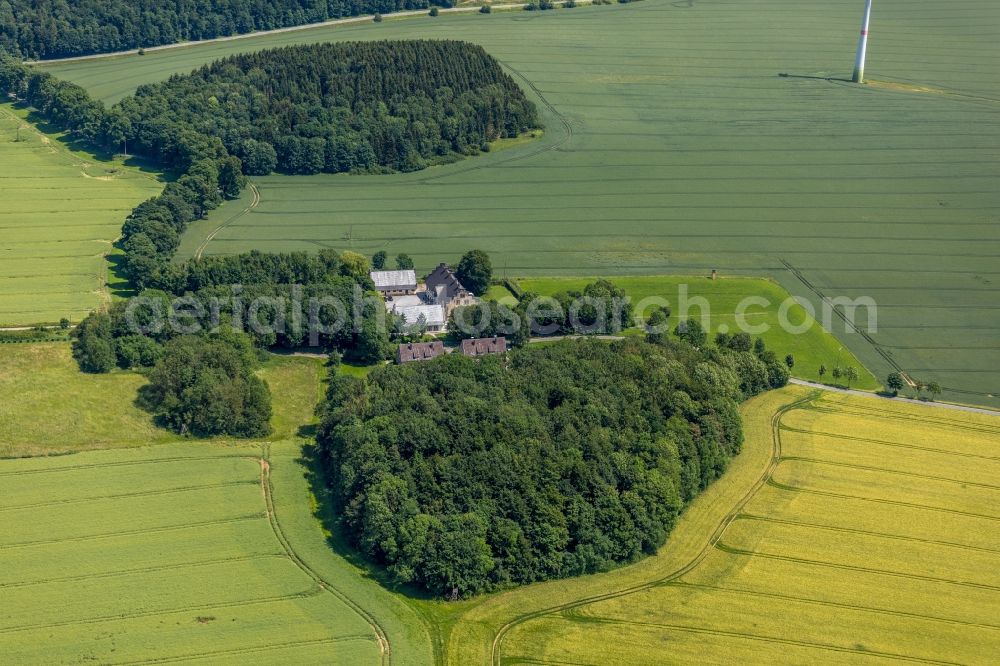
[
  {"x": 151, "y": 234},
  {"x": 67, "y": 28},
  {"x": 329, "y": 100},
  {"x": 208, "y": 174},
  {"x": 461, "y": 476}
]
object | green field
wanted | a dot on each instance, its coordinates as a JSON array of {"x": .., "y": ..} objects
[
  {"x": 811, "y": 348},
  {"x": 673, "y": 146},
  {"x": 164, "y": 553},
  {"x": 60, "y": 212},
  {"x": 848, "y": 531},
  {"x": 186, "y": 551},
  {"x": 47, "y": 406}
]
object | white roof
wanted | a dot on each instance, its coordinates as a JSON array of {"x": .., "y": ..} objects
[
  {"x": 434, "y": 314},
  {"x": 407, "y": 301},
  {"x": 390, "y": 279}
]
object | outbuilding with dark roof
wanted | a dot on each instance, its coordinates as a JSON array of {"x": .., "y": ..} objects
[
  {"x": 419, "y": 351},
  {"x": 484, "y": 346}
]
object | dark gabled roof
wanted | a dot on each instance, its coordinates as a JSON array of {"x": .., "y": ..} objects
[
  {"x": 444, "y": 277},
  {"x": 419, "y": 351},
  {"x": 484, "y": 346}
]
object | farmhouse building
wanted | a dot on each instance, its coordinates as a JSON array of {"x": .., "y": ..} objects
[
  {"x": 484, "y": 346},
  {"x": 395, "y": 283},
  {"x": 434, "y": 316},
  {"x": 444, "y": 288},
  {"x": 419, "y": 351}
]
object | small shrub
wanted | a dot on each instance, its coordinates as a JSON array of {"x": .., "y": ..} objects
[
  {"x": 545, "y": 5},
  {"x": 569, "y": 4},
  {"x": 142, "y": 51},
  {"x": 377, "y": 18},
  {"x": 530, "y": 7},
  {"x": 485, "y": 9},
  {"x": 434, "y": 11}
]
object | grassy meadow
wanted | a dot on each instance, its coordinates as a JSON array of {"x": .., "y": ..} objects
[
  {"x": 60, "y": 211},
  {"x": 47, "y": 406},
  {"x": 672, "y": 145},
  {"x": 811, "y": 348}
]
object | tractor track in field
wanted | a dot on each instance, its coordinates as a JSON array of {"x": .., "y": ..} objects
[
  {"x": 883, "y": 442},
  {"x": 851, "y": 530},
  {"x": 138, "y": 531},
  {"x": 563, "y": 140},
  {"x": 241, "y": 651},
  {"x": 141, "y": 570},
  {"x": 879, "y": 349},
  {"x": 707, "y": 549},
  {"x": 878, "y": 500},
  {"x": 911, "y": 418},
  {"x": 141, "y": 493},
  {"x": 254, "y": 202},
  {"x": 885, "y": 470},
  {"x": 119, "y": 463},
  {"x": 849, "y": 567},
  {"x": 265, "y": 481},
  {"x": 830, "y": 604},
  {"x": 767, "y": 639},
  {"x": 169, "y": 611}
]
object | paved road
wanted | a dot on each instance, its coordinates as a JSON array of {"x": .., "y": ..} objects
[
  {"x": 367, "y": 18},
  {"x": 922, "y": 403}
]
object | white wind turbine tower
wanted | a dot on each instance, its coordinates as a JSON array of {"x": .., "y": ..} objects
[{"x": 859, "y": 61}]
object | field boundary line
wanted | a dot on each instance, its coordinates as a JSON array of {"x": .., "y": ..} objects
[
  {"x": 848, "y": 567},
  {"x": 714, "y": 538},
  {"x": 851, "y": 530},
  {"x": 884, "y": 470},
  {"x": 265, "y": 481},
  {"x": 835, "y": 604},
  {"x": 885, "y": 442},
  {"x": 879, "y": 500}
]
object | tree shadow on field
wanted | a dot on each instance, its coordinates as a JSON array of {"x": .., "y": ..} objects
[
  {"x": 814, "y": 77},
  {"x": 325, "y": 512},
  {"x": 118, "y": 283},
  {"x": 75, "y": 143}
]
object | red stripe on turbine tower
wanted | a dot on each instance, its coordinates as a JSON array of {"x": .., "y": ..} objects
[{"x": 859, "y": 60}]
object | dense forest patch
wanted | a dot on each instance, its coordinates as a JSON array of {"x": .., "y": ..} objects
[
  {"x": 340, "y": 107},
  {"x": 464, "y": 475},
  {"x": 83, "y": 27},
  {"x": 347, "y": 107}
]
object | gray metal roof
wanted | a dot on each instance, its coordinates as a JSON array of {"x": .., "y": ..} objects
[
  {"x": 434, "y": 315},
  {"x": 387, "y": 280}
]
